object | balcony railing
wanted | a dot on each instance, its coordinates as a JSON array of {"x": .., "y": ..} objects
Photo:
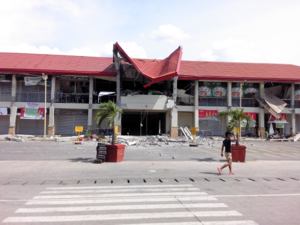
[
  {"x": 5, "y": 97},
  {"x": 32, "y": 97},
  {"x": 106, "y": 98},
  {"x": 246, "y": 102},
  {"x": 72, "y": 98},
  {"x": 185, "y": 100},
  {"x": 212, "y": 101}
]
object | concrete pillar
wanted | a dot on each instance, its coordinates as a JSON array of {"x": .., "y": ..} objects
[
  {"x": 12, "y": 120},
  {"x": 293, "y": 95},
  {"x": 53, "y": 89},
  {"x": 293, "y": 109},
  {"x": 229, "y": 94},
  {"x": 196, "y": 104},
  {"x": 51, "y": 123},
  {"x": 118, "y": 118},
  {"x": 261, "y": 116},
  {"x": 13, "y": 108},
  {"x": 174, "y": 123},
  {"x": 174, "y": 111},
  {"x": 261, "y": 123},
  {"x": 262, "y": 89},
  {"x": 13, "y": 88},
  {"x": 294, "y": 131},
  {"x": 90, "y": 110}
]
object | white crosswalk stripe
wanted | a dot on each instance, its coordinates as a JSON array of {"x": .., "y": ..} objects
[
  {"x": 116, "y": 190},
  {"x": 120, "y": 207},
  {"x": 120, "y": 200},
  {"x": 127, "y": 204}
]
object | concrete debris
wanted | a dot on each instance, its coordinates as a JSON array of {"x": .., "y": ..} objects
[
  {"x": 158, "y": 140},
  {"x": 14, "y": 138}
]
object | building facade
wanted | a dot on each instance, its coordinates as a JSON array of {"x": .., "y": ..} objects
[{"x": 157, "y": 96}]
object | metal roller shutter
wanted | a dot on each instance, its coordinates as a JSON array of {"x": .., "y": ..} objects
[
  {"x": 31, "y": 127},
  {"x": 213, "y": 127},
  {"x": 66, "y": 120},
  {"x": 4, "y": 124}
]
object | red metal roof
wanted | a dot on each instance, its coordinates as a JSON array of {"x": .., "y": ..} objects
[
  {"x": 56, "y": 64},
  {"x": 199, "y": 70},
  {"x": 155, "y": 70}
]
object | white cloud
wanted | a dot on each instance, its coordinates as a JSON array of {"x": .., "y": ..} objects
[{"x": 170, "y": 33}]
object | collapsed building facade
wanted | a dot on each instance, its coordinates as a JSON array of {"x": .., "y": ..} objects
[{"x": 157, "y": 96}]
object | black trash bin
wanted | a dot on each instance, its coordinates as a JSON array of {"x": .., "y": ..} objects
[{"x": 100, "y": 152}]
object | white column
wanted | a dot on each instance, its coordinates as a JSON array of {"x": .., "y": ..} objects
[
  {"x": 293, "y": 109},
  {"x": 51, "y": 122},
  {"x": 174, "y": 111},
  {"x": 261, "y": 117},
  {"x": 293, "y": 95},
  {"x": 90, "y": 110},
  {"x": 262, "y": 89},
  {"x": 53, "y": 88},
  {"x": 118, "y": 118},
  {"x": 196, "y": 104},
  {"x": 13, "y": 88},
  {"x": 13, "y": 108},
  {"x": 229, "y": 94},
  {"x": 12, "y": 120}
]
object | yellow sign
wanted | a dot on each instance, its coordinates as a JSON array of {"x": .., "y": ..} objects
[
  {"x": 194, "y": 130},
  {"x": 78, "y": 129}
]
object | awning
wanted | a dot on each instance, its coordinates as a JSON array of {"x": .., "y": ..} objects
[{"x": 272, "y": 104}]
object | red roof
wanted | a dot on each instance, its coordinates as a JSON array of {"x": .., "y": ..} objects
[
  {"x": 56, "y": 64},
  {"x": 155, "y": 70},
  {"x": 200, "y": 70}
]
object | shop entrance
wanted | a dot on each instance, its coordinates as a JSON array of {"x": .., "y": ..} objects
[{"x": 143, "y": 123}]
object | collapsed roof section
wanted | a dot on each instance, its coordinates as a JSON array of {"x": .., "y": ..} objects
[{"x": 155, "y": 70}]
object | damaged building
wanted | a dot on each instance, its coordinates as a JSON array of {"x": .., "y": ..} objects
[{"x": 157, "y": 96}]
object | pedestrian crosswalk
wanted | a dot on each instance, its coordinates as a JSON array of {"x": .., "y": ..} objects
[{"x": 178, "y": 204}]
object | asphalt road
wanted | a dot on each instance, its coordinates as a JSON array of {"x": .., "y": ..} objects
[{"x": 42, "y": 182}]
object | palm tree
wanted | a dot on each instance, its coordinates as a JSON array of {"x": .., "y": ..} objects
[
  {"x": 108, "y": 110},
  {"x": 236, "y": 116}
]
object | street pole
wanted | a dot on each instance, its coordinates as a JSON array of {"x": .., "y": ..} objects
[{"x": 45, "y": 77}]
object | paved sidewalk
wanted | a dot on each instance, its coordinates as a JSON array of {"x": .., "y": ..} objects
[{"x": 256, "y": 150}]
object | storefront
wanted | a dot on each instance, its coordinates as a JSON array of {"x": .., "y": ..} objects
[
  {"x": 67, "y": 119},
  {"x": 210, "y": 123},
  {"x": 30, "y": 119},
  {"x": 143, "y": 123}
]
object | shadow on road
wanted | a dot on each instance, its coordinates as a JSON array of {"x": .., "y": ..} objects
[
  {"x": 204, "y": 159},
  {"x": 84, "y": 160}
]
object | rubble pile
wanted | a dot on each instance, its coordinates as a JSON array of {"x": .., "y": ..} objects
[{"x": 158, "y": 140}]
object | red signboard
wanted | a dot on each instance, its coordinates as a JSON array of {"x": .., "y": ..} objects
[
  {"x": 207, "y": 113},
  {"x": 251, "y": 115},
  {"x": 282, "y": 117}
]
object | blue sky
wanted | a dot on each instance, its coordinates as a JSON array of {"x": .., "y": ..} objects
[{"x": 212, "y": 30}]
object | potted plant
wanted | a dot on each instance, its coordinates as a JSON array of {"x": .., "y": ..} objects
[
  {"x": 109, "y": 111},
  {"x": 236, "y": 117}
]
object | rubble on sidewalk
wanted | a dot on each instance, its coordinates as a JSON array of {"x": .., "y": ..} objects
[{"x": 157, "y": 140}]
